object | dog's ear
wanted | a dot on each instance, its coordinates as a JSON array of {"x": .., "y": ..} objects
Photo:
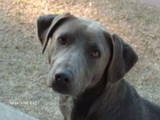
[
  {"x": 122, "y": 60},
  {"x": 43, "y": 23},
  {"x": 47, "y": 24}
]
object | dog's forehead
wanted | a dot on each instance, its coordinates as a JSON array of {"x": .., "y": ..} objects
[
  {"x": 82, "y": 27},
  {"x": 87, "y": 32},
  {"x": 94, "y": 31},
  {"x": 83, "y": 24},
  {"x": 92, "y": 25}
]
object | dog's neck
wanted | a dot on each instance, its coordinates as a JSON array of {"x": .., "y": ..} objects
[
  {"x": 90, "y": 102},
  {"x": 83, "y": 103}
]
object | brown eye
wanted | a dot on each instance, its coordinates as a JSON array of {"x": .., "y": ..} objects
[
  {"x": 95, "y": 53},
  {"x": 63, "y": 41}
]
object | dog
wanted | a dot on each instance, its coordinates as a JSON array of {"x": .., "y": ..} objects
[{"x": 87, "y": 66}]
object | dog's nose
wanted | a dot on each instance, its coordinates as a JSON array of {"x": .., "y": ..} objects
[{"x": 63, "y": 77}]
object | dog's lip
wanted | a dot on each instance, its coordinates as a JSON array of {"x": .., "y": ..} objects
[{"x": 60, "y": 88}]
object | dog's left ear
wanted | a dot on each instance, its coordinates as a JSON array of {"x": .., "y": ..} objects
[{"x": 122, "y": 60}]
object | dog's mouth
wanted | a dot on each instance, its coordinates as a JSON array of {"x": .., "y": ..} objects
[{"x": 60, "y": 87}]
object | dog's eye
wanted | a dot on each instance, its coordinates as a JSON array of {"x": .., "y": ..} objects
[
  {"x": 63, "y": 40},
  {"x": 95, "y": 53}
]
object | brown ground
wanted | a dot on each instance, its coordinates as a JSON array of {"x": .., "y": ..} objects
[{"x": 22, "y": 67}]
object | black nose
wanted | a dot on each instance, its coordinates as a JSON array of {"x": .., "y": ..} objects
[{"x": 63, "y": 77}]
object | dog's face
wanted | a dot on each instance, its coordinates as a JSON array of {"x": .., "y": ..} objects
[
  {"x": 80, "y": 51},
  {"x": 78, "y": 54}
]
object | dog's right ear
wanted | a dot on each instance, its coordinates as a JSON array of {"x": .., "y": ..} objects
[
  {"x": 47, "y": 25},
  {"x": 43, "y": 24}
]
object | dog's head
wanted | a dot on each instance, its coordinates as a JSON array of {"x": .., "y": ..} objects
[{"x": 81, "y": 52}]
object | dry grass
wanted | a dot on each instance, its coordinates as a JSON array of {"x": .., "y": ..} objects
[{"x": 23, "y": 70}]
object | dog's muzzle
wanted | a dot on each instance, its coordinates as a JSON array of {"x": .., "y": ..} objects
[{"x": 61, "y": 81}]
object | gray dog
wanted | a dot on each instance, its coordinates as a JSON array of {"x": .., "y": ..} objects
[{"x": 87, "y": 66}]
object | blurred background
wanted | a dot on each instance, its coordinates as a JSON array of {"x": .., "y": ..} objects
[{"x": 23, "y": 69}]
